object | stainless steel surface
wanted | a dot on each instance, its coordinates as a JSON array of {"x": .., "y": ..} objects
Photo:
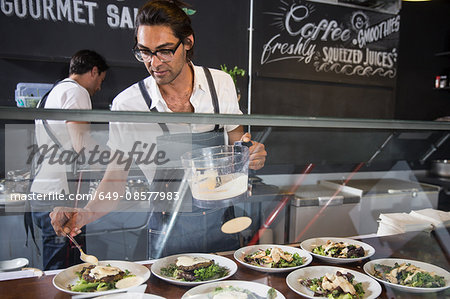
[
  {"x": 440, "y": 168},
  {"x": 412, "y": 191},
  {"x": 318, "y": 211},
  {"x": 382, "y": 186},
  {"x": 17, "y": 181},
  {"x": 257, "y": 120},
  {"x": 331, "y": 201},
  {"x": 319, "y": 195}
]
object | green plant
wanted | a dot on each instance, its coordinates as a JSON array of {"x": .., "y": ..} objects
[{"x": 234, "y": 72}]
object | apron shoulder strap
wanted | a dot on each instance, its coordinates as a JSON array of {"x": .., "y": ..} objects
[
  {"x": 43, "y": 100},
  {"x": 148, "y": 100},
  {"x": 48, "y": 130},
  {"x": 146, "y": 96},
  {"x": 212, "y": 90},
  {"x": 41, "y": 105}
]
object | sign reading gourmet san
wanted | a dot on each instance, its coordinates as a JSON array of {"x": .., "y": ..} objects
[
  {"x": 58, "y": 28},
  {"x": 316, "y": 41}
]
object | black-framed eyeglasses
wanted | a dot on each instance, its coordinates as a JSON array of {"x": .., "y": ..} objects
[{"x": 146, "y": 55}]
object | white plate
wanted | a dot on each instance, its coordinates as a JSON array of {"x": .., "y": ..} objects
[
  {"x": 14, "y": 264},
  {"x": 371, "y": 287},
  {"x": 203, "y": 290},
  {"x": 244, "y": 251},
  {"x": 310, "y": 244},
  {"x": 131, "y": 296},
  {"x": 368, "y": 268},
  {"x": 62, "y": 280},
  {"x": 166, "y": 261}
]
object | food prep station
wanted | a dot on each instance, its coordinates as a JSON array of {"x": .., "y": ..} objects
[{"x": 286, "y": 202}]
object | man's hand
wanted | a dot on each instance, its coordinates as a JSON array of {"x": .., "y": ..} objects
[
  {"x": 257, "y": 152},
  {"x": 68, "y": 220}
]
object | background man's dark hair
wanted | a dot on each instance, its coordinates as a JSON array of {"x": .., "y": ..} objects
[
  {"x": 168, "y": 13},
  {"x": 84, "y": 60}
]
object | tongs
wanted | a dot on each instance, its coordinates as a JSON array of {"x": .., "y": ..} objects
[{"x": 84, "y": 257}]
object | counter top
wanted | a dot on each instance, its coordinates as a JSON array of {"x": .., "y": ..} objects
[{"x": 421, "y": 246}]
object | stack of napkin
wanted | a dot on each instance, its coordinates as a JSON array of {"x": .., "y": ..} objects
[
  {"x": 421, "y": 220},
  {"x": 436, "y": 217}
]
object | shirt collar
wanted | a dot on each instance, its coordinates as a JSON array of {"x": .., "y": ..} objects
[
  {"x": 200, "y": 85},
  {"x": 200, "y": 82}
]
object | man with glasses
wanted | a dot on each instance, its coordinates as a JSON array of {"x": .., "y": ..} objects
[{"x": 165, "y": 44}]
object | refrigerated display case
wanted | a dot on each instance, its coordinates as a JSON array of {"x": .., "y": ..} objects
[{"x": 303, "y": 153}]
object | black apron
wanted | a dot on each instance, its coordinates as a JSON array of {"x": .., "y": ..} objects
[{"x": 192, "y": 229}]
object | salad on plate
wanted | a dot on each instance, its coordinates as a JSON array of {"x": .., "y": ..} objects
[
  {"x": 194, "y": 268},
  {"x": 334, "y": 286},
  {"x": 231, "y": 292},
  {"x": 274, "y": 258},
  {"x": 95, "y": 278},
  {"x": 406, "y": 274},
  {"x": 339, "y": 250},
  {"x": 233, "y": 289}
]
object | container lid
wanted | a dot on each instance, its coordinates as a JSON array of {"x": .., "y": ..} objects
[
  {"x": 386, "y": 186},
  {"x": 317, "y": 195}
]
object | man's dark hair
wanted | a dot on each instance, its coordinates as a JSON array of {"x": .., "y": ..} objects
[
  {"x": 167, "y": 13},
  {"x": 84, "y": 60}
]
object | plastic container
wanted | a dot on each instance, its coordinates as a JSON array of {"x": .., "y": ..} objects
[
  {"x": 217, "y": 173},
  {"x": 443, "y": 82},
  {"x": 437, "y": 83},
  {"x": 28, "y": 95}
]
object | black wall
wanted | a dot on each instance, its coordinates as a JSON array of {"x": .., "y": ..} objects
[
  {"x": 321, "y": 99},
  {"x": 425, "y": 31}
]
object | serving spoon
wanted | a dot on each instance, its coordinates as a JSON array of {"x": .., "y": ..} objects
[{"x": 84, "y": 257}]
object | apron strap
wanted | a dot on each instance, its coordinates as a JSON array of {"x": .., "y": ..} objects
[
  {"x": 43, "y": 100},
  {"x": 212, "y": 90},
  {"x": 41, "y": 105},
  {"x": 148, "y": 100}
]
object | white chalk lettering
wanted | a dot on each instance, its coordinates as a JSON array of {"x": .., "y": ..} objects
[
  {"x": 330, "y": 45},
  {"x": 48, "y": 10},
  {"x": 302, "y": 50},
  {"x": 324, "y": 30},
  {"x": 379, "y": 31},
  {"x": 120, "y": 19},
  {"x": 78, "y": 11},
  {"x": 64, "y": 11},
  {"x": 7, "y": 8},
  {"x": 291, "y": 16},
  {"x": 35, "y": 13},
  {"x": 20, "y": 13},
  {"x": 351, "y": 56},
  {"x": 379, "y": 59},
  {"x": 113, "y": 18},
  {"x": 127, "y": 20},
  {"x": 91, "y": 6}
]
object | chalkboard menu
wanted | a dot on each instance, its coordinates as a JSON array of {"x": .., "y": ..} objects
[
  {"x": 55, "y": 28},
  {"x": 322, "y": 42}
]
